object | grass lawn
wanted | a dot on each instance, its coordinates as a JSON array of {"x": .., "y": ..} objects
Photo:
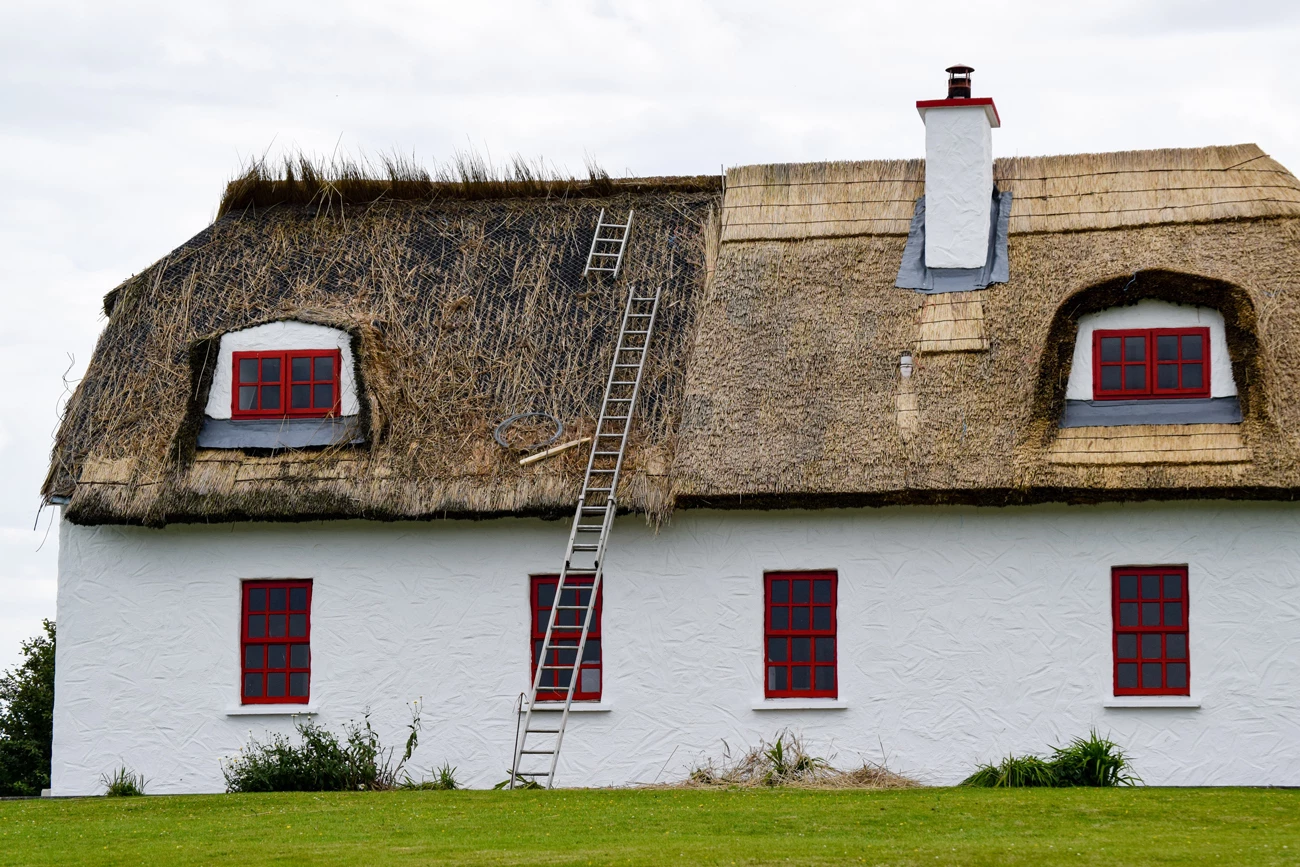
[{"x": 920, "y": 826}]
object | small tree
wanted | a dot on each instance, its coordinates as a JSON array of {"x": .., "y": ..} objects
[{"x": 27, "y": 718}]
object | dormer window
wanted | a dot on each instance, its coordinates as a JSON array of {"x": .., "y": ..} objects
[
  {"x": 1150, "y": 363},
  {"x": 286, "y": 384}
]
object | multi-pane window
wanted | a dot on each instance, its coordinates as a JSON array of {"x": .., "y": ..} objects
[
  {"x": 1150, "y": 634},
  {"x": 1151, "y": 363},
  {"x": 285, "y": 384},
  {"x": 275, "y": 636},
  {"x": 554, "y": 684},
  {"x": 799, "y": 634}
]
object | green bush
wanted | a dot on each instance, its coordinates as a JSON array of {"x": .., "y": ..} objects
[
  {"x": 27, "y": 718},
  {"x": 124, "y": 783},
  {"x": 1091, "y": 761}
]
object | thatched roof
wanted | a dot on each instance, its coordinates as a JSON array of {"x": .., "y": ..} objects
[{"x": 776, "y": 375}]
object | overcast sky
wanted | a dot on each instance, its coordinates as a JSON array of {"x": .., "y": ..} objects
[{"x": 120, "y": 123}]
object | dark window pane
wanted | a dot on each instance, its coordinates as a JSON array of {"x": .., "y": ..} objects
[
  {"x": 274, "y": 685},
  {"x": 1173, "y": 586},
  {"x": 1126, "y": 646},
  {"x": 1135, "y": 377},
  {"x": 1176, "y": 675},
  {"x": 279, "y": 598},
  {"x": 276, "y": 656},
  {"x": 1110, "y": 377},
  {"x": 253, "y": 656},
  {"x": 299, "y": 656},
  {"x": 542, "y": 617},
  {"x": 800, "y": 677},
  {"x": 584, "y": 597},
  {"x": 825, "y": 650},
  {"x": 776, "y": 649},
  {"x": 298, "y": 599},
  {"x": 1127, "y": 676},
  {"x": 776, "y": 678},
  {"x": 537, "y": 649},
  {"x": 297, "y": 625},
  {"x": 1167, "y": 347},
  {"x": 800, "y": 591},
  {"x": 277, "y": 625},
  {"x": 798, "y": 618},
  {"x": 253, "y": 685},
  {"x": 1192, "y": 376},
  {"x": 780, "y": 618},
  {"x": 257, "y": 599},
  {"x": 300, "y": 369},
  {"x": 1128, "y": 587},
  {"x": 801, "y": 650},
  {"x": 1135, "y": 349},
  {"x": 1166, "y": 376},
  {"x": 248, "y": 370},
  {"x": 323, "y": 396},
  {"x": 1110, "y": 349},
  {"x": 1150, "y": 586},
  {"x": 270, "y": 397},
  {"x": 325, "y": 367},
  {"x": 567, "y": 655},
  {"x": 1151, "y": 645},
  {"x": 298, "y": 684},
  {"x": 300, "y": 397},
  {"x": 825, "y": 677},
  {"x": 780, "y": 591},
  {"x": 257, "y": 626},
  {"x": 1151, "y": 675},
  {"x": 1128, "y": 614},
  {"x": 1150, "y": 613},
  {"x": 562, "y": 679},
  {"x": 270, "y": 370},
  {"x": 568, "y": 596},
  {"x": 822, "y": 590},
  {"x": 1176, "y": 646},
  {"x": 545, "y": 595},
  {"x": 248, "y": 397},
  {"x": 822, "y": 617},
  {"x": 591, "y": 650},
  {"x": 1192, "y": 347},
  {"x": 1173, "y": 614}
]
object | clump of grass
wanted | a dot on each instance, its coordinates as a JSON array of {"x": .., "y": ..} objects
[
  {"x": 786, "y": 761},
  {"x": 444, "y": 780},
  {"x": 123, "y": 783},
  {"x": 1091, "y": 761}
]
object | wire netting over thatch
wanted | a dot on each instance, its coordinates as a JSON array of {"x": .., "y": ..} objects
[{"x": 463, "y": 312}]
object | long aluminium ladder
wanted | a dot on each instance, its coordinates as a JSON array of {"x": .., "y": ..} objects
[{"x": 578, "y": 591}]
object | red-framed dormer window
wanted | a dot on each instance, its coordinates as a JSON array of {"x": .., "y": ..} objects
[
  {"x": 294, "y": 383},
  {"x": 1145, "y": 363},
  {"x": 554, "y": 684},
  {"x": 1149, "y": 613},
  {"x": 799, "y": 635},
  {"x": 275, "y": 642}
]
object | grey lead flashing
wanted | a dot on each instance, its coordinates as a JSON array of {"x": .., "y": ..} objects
[
  {"x": 1113, "y": 413},
  {"x": 913, "y": 274},
  {"x": 279, "y": 433}
]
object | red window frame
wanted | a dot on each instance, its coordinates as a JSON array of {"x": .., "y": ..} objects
[
  {"x": 276, "y": 370},
  {"x": 1168, "y": 366},
  {"x": 568, "y": 629},
  {"x": 800, "y": 653},
  {"x": 1149, "y": 644},
  {"x": 275, "y": 642}
]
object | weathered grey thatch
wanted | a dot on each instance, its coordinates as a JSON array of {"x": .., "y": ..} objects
[{"x": 776, "y": 376}]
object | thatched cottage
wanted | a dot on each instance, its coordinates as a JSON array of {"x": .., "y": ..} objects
[{"x": 946, "y": 457}]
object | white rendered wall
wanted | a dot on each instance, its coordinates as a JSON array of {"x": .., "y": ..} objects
[
  {"x": 965, "y": 634},
  {"x": 958, "y": 186},
  {"x": 1151, "y": 313},
  {"x": 282, "y": 335}
]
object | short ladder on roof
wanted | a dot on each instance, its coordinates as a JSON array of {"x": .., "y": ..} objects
[
  {"x": 574, "y": 605},
  {"x": 607, "y": 246}
]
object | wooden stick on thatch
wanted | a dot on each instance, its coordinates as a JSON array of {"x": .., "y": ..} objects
[{"x": 554, "y": 450}]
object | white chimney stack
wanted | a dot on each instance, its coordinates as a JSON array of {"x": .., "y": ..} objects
[{"x": 958, "y": 174}]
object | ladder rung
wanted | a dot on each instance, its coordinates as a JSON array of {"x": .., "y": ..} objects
[
  {"x": 537, "y": 752},
  {"x": 594, "y": 510},
  {"x": 559, "y": 667},
  {"x": 606, "y": 454},
  {"x": 532, "y": 773},
  {"x": 600, "y": 490},
  {"x": 622, "y": 226},
  {"x": 585, "y": 547},
  {"x": 637, "y": 332}
]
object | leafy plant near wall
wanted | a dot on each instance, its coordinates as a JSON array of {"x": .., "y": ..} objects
[
  {"x": 444, "y": 780},
  {"x": 1090, "y": 761},
  {"x": 786, "y": 761},
  {"x": 123, "y": 783},
  {"x": 27, "y": 718},
  {"x": 321, "y": 761}
]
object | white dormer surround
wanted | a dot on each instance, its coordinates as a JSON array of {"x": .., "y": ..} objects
[
  {"x": 282, "y": 335},
  {"x": 958, "y": 180}
]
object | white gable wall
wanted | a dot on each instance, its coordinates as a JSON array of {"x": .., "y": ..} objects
[
  {"x": 964, "y": 634},
  {"x": 284, "y": 335}
]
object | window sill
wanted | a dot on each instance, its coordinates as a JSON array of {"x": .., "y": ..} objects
[
  {"x": 800, "y": 704},
  {"x": 1152, "y": 701},
  {"x": 577, "y": 706},
  {"x": 272, "y": 710}
]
